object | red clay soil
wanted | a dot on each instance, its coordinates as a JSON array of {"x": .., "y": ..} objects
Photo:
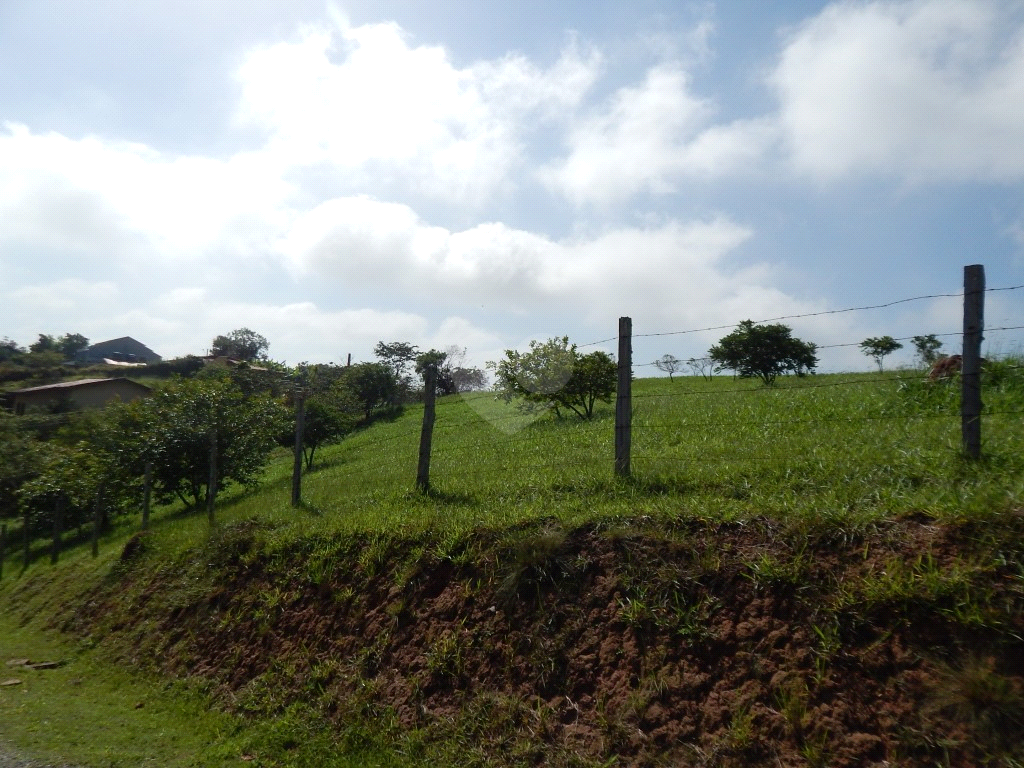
[{"x": 652, "y": 644}]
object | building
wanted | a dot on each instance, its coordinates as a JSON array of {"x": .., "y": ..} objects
[
  {"x": 123, "y": 350},
  {"x": 73, "y": 395}
]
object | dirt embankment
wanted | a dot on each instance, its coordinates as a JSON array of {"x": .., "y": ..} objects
[{"x": 652, "y": 643}]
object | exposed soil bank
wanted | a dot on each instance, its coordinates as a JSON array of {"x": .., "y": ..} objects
[{"x": 683, "y": 643}]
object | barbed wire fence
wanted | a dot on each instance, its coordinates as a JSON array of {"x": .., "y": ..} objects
[{"x": 970, "y": 374}]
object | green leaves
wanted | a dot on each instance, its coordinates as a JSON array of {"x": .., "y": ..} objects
[
  {"x": 554, "y": 375},
  {"x": 764, "y": 352}
]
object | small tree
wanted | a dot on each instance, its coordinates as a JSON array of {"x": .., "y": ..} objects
[
  {"x": 701, "y": 366},
  {"x": 927, "y": 349},
  {"x": 241, "y": 344},
  {"x": 554, "y": 375},
  {"x": 373, "y": 384},
  {"x": 764, "y": 352},
  {"x": 878, "y": 347},
  {"x": 668, "y": 364},
  {"x": 172, "y": 429}
]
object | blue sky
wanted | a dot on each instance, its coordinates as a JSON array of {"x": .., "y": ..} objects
[{"x": 331, "y": 175}]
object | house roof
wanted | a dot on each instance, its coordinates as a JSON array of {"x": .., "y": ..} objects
[{"x": 78, "y": 383}]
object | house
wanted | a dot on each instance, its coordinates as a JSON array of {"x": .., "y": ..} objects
[
  {"x": 84, "y": 393},
  {"x": 123, "y": 350}
]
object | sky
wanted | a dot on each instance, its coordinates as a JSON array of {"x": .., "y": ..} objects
[{"x": 482, "y": 174}]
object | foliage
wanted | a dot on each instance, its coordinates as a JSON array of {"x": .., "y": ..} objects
[
  {"x": 71, "y": 343},
  {"x": 240, "y": 344},
  {"x": 397, "y": 356},
  {"x": 554, "y": 375},
  {"x": 19, "y": 461},
  {"x": 176, "y": 426},
  {"x": 927, "y": 349},
  {"x": 453, "y": 376},
  {"x": 669, "y": 364},
  {"x": 45, "y": 343},
  {"x": 374, "y": 385},
  {"x": 9, "y": 349},
  {"x": 331, "y": 409},
  {"x": 764, "y": 352},
  {"x": 878, "y": 347}
]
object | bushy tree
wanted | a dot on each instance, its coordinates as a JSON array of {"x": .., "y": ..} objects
[
  {"x": 927, "y": 347},
  {"x": 172, "y": 429},
  {"x": 877, "y": 347},
  {"x": 373, "y": 384},
  {"x": 241, "y": 344},
  {"x": 453, "y": 376},
  {"x": 554, "y": 375},
  {"x": 71, "y": 343},
  {"x": 332, "y": 409},
  {"x": 764, "y": 352}
]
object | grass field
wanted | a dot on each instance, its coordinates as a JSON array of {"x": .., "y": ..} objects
[{"x": 814, "y": 456}]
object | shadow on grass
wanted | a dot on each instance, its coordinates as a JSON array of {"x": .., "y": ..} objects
[{"x": 457, "y": 498}]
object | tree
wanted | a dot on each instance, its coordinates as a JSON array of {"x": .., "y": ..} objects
[
  {"x": 374, "y": 385},
  {"x": 241, "y": 344},
  {"x": 927, "y": 349},
  {"x": 764, "y": 352},
  {"x": 878, "y": 347},
  {"x": 172, "y": 430},
  {"x": 45, "y": 343},
  {"x": 554, "y": 375},
  {"x": 71, "y": 343},
  {"x": 701, "y": 366},
  {"x": 330, "y": 415},
  {"x": 668, "y": 364},
  {"x": 397, "y": 356},
  {"x": 9, "y": 350}
]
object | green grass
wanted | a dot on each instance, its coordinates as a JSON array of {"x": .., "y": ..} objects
[{"x": 818, "y": 458}]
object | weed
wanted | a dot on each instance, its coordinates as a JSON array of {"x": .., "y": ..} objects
[
  {"x": 977, "y": 694},
  {"x": 445, "y": 658},
  {"x": 792, "y": 698},
  {"x": 536, "y": 561}
]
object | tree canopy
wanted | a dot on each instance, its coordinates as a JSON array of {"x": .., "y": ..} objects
[
  {"x": 554, "y": 375},
  {"x": 764, "y": 352},
  {"x": 877, "y": 347},
  {"x": 241, "y": 344}
]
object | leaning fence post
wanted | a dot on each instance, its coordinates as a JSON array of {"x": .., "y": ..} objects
[
  {"x": 427, "y": 433},
  {"x": 970, "y": 374},
  {"x": 624, "y": 398}
]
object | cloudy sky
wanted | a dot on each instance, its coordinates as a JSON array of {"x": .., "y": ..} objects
[{"x": 334, "y": 174}]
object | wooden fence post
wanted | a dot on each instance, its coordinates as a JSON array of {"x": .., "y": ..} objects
[
  {"x": 300, "y": 425},
  {"x": 211, "y": 487},
  {"x": 624, "y": 399},
  {"x": 97, "y": 518},
  {"x": 970, "y": 374},
  {"x": 3, "y": 546},
  {"x": 147, "y": 489},
  {"x": 427, "y": 433},
  {"x": 58, "y": 529}
]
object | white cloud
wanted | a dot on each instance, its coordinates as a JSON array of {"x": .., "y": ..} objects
[
  {"x": 648, "y": 138},
  {"x": 102, "y": 199},
  {"x": 367, "y": 102},
  {"x": 929, "y": 89}
]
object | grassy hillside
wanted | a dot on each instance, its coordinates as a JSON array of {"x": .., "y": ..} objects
[{"x": 809, "y": 574}]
